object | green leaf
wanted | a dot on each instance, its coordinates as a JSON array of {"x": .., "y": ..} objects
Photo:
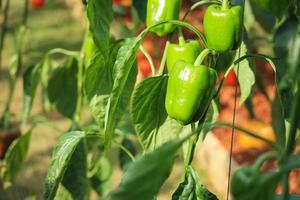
[
  {"x": 62, "y": 87},
  {"x": 100, "y": 14},
  {"x": 14, "y": 158},
  {"x": 278, "y": 8},
  {"x": 146, "y": 174},
  {"x": 123, "y": 67},
  {"x": 141, "y": 7},
  {"x": 169, "y": 130},
  {"x": 62, "y": 155},
  {"x": 75, "y": 180},
  {"x": 148, "y": 108},
  {"x": 211, "y": 117},
  {"x": 31, "y": 79},
  {"x": 101, "y": 180},
  {"x": 99, "y": 83},
  {"x": 278, "y": 121},
  {"x": 124, "y": 158},
  {"x": 292, "y": 162},
  {"x": 191, "y": 188},
  {"x": 265, "y": 18},
  {"x": 98, "y": 86},
  {"x": 297, "y": 8},
  {"x": 246, "y": 76}
]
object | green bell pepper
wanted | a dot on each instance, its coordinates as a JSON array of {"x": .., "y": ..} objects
[
  {"x": 222, "y": 27},
  {"x": 190, "y": 90},
  {"x": 185, "y": 50},
  {"x": 160, "y": 10}
]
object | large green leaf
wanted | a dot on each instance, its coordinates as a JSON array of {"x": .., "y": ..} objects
[
  {"x": 148, "y": 108},
  {"x": 124, "y": 158},
  {"x": 146, "y": 174},
  {"x": 75, "y": 178},
  {"x": 101, "y": 177},
  {"x": 14, "y": 158},
  {"x": 246, "y": 76},
  {"x": 278, "y": 122},
  {"x": 192, "y": 189},
  {"x": 278, "y": 8},
  {"x": 62, "y": 155},
  {"x": 123, "y": 67},
  {"x": 62, "y": 87},
  {"x": 140, "y": 6},
  {"x": 31, "y": 79},
  {"x": 99, "y": 82},
  {"x": 100, "y": 15},
  {"x": 98, "y": 86},
  {"x": 292, "y": 162}
]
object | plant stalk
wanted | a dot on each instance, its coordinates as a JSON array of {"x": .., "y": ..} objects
[
  {"x": 4, "y": 29},
  {"x": 146, "y": 54},
  {"x": 163, "y": 60},
  {"x": 290, "y": 146}
]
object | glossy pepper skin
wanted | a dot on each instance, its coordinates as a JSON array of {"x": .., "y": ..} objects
[
  {"x": 222, "y": 26},
  {"x": 160, "y": 10},
  {"x": 247, "y": 184},
  {"x": 189, "y": 91},
  {"x": 187, "y": 51}
]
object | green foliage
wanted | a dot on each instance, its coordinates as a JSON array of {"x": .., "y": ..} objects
[
  {"x": 145, "y": 184},
  {"x": 62, "y": 155},
  {"x": 31, "y": 79},
  {"x": 14, "y": 158},
  {"x": 278, "y": 8},
  {"x": 191, "y": 188},
  {"x": 124, "y": 158},
  {"x": 62, "y": 87},
  {"x": 123, "y": 66},
  {"x": 75, "y": 180},
  {"x": 245, "y": 73},
  {"x": 140, "y": 6},
  {"x": 101, "y": 177},
  {"x": 100, "y": 15},
  {"x": 148, "y": 109}
]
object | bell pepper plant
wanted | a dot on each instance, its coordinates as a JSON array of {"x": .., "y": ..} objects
[{"x": 164, "y": 115}]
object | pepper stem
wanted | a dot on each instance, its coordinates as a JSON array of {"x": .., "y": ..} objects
[
  {"x": 202, "y": 56},
  {"x": 225, "y": 4},
  {"x": 181, "y": 39}
]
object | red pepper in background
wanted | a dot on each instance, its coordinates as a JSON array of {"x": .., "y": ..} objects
[
  {"x": 122, "y": 2},
  {"x": 144, "y": 67},
  {"x": 37, "y": 4},
  {"x": 231, "y": 79}
]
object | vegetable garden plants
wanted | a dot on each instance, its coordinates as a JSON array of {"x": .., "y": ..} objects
[{"x": 171, "y": 110}]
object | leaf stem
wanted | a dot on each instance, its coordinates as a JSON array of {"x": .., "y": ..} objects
[
  {"x": 4, "y": 28},
  {"x": 181, "y": 39},
  {"x": 198, "y": 4},
  {"x": 264, "y": 157},
  {"x": 62, "y": 51},
  {"x": 177, "y": 23},
  {"x": 250, "y": 133},
  {"x": 191, "y": 143},
  {"x": 225, "y": 4},
  {"x": 125, "y": 150},
  {"x": 202, "y": 57},
  {"x": 295, "y": 118},
  {"x": 290, "y": 146},
  {"x": 143, "y": 50},
  {"x": 164, "y": 59}
]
